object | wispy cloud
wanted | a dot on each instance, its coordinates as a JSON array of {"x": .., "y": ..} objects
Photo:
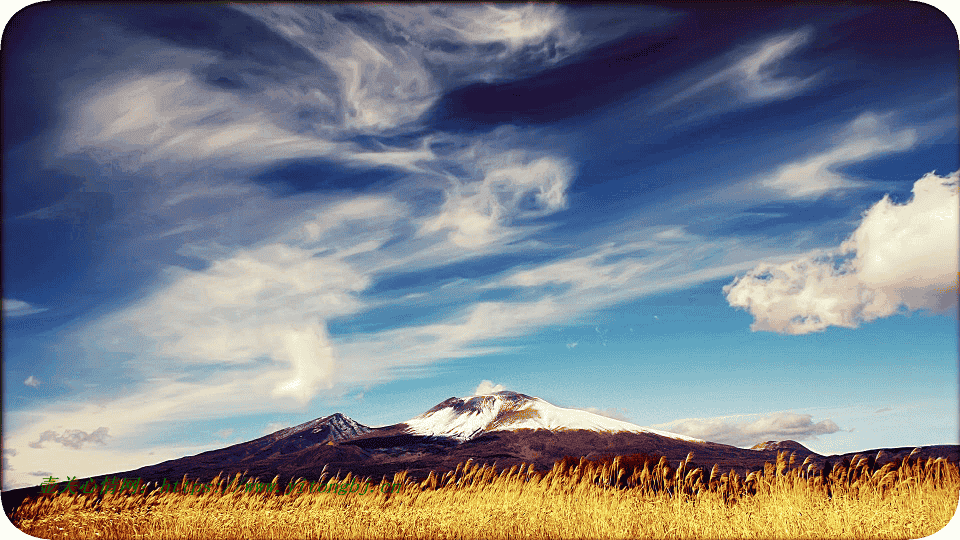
[
  {"x": 750, "y": 75},
  {"x": 513, "y": 187},
  {"x": 19, "y": 308},
  {"x": 748, "y": 430},
  {"x": 32, "y": 381},
  {"x": 865, "y": 137},
  {"x": 895, "y": 259}
]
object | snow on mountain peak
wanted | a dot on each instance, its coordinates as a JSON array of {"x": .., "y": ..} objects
[
  {"x": 335, "y": 427},
  {"x": 466, "y": 418}
]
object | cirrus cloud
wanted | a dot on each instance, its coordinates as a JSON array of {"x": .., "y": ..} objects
[{"x": 19, "y": 308}]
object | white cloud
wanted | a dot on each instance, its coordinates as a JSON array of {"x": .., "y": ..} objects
[
  {"x": 32, "y": 381},
  {"x": 19, "y": 308},
  {"x": 481, "y": 42},
  {"x": 752, "y": 74},
  {"x": 865, "y": 137},
  {"x": 900, "y": 256},
  {"x": 748, "y": 430},
  {"x": 572, "y": 345},
  {"x": 268, "y": 302},
  {"x": 487, "y": 387},
  {"x": 388, "y": 64},
  {"x": 756, "y": 73},
  {"x": 513, "y": 186},
  {"x": 164, "y": 119}
]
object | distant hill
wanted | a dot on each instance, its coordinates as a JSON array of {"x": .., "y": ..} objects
[{"x": 788, "y": 446}]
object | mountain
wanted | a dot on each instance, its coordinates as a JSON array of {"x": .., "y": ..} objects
[
  {"x": 503, "y": 428},
  {"x": 464, "y": 419},
  {"x": 789, "y": 446},
  {"x": 333, "y": 428}
]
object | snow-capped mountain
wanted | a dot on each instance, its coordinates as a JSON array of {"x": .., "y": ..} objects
[
  {"x": 467, "y": 418},
  {"x": 329, "y": 429},
  {"x": 336, "y": 427}
]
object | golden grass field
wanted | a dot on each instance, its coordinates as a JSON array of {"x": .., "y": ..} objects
[{"x": 575, "y": 499}]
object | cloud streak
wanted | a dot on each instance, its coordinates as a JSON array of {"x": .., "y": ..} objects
[
  {"x": 865, "y": 137},
  {"x": 748, "y": 430},
  {"x": 19, "y": 308},
  {"x": 750, "y": 76}
]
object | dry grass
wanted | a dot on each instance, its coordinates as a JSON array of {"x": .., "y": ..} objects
[{"x": 576, "y": 499}]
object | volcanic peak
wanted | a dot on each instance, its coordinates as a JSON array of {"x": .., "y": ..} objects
[
  {"x": 336, "y": 427},
  {"x": 464, "y": 419}
]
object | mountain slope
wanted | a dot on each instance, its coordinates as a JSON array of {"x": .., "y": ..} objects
[
  {"x": 329, "y": 429},
  {"x": 464, "y": 419}
]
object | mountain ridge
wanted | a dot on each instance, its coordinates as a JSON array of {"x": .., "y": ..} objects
[{"x": 338, "y": 444}]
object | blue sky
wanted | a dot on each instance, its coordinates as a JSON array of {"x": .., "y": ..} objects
[{"x": 222, "y": 220}]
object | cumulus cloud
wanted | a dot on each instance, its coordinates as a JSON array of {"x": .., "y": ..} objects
[
  {"x": 72, "y": 438},
  {"x": 748, "y": 430},
  {"x": 901, "y": 256},
  {"x": 19, "y": 308},
  {"x": 32, "y": 381},
  {"x": 487, "y": 387}
]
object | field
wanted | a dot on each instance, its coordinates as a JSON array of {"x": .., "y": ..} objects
[{"x": 631, "y": 497}]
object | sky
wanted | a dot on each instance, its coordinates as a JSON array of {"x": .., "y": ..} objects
[{"x": 739, "y": 225}]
